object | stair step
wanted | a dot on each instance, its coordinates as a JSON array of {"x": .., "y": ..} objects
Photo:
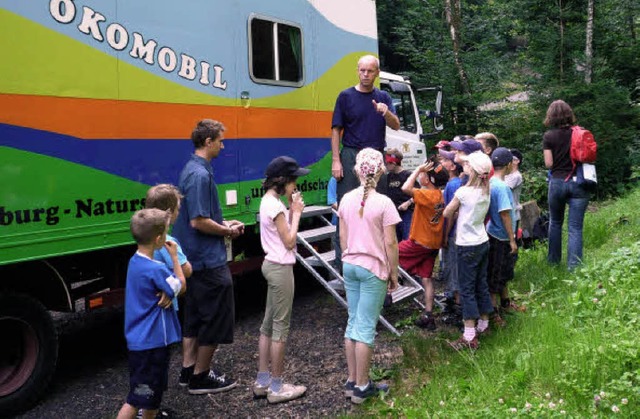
[
  {"x": 403, "y": 292},
  {"x": 317, "y": 234},
  {"x": 328, "y": 257},
  {"x": 313, "y": 210}
]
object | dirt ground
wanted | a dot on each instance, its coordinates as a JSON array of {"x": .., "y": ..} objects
[{"x": 92, "y": 376}]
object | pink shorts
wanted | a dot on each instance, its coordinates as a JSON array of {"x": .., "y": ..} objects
[{"x": 416, "y": 259}]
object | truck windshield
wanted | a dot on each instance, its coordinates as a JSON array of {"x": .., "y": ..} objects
[{"x": 404, "y": 109}]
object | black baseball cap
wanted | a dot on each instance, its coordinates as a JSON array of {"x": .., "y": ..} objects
[{"x": 284, "y": 166}]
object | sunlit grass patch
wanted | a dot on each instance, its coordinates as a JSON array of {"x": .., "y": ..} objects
[{"x": 574, "y": 352}]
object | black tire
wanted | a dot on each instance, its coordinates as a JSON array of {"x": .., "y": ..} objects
[{"x": 28, "y": 352}]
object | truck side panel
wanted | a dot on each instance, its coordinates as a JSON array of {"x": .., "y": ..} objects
[{"x": 97, "y": 100}]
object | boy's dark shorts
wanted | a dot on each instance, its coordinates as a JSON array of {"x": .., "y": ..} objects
[
  {"x": 209, "y": 312},
  {"x": 148, "y": 377},
  {"x": 501, "y": 262}
]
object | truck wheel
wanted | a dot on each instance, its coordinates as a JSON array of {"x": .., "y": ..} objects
[{"x": 28, "y": 352}]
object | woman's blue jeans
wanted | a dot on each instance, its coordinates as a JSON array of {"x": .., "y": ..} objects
[{"x": 561, "y": 194}]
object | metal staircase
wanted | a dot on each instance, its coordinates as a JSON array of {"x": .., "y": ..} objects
[{"x": 319, "y": 264}]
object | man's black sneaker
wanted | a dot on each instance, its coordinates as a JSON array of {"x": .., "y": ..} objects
[
  {"x": 162, "y": 414},
  {"x": 210, "y": 382},
  {"x": 185, "y": 376},
  {"x": 426, "y": 321},
  {"x": 371, "y": 390}
]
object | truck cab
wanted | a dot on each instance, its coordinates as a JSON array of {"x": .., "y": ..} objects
[{"x": 410, "y": 138}]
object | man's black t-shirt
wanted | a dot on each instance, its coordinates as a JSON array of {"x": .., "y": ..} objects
[{"x": 394, "y": 190}]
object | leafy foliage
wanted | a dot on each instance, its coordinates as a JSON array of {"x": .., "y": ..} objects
[
  {"x": 573, "y": 353},
  {"x": 514, "y": 46}
]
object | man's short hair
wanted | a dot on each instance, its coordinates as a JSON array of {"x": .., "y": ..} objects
[
  {"x": 147, "y": 224},
  {"x": 366, "y": 58},
  {"x": 489, "y": 139},
  {"x": 163, "y": 196},
  {"x": 207, "y": 128}
]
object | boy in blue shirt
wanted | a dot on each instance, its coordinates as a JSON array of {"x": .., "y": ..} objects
[
  {"x": 167, "y": 197},
  {"x": 501, "y": 231},
  {"x": 150, "y": 324}
]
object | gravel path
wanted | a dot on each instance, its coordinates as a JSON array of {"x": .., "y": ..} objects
[{"x": 92, "y": 377}]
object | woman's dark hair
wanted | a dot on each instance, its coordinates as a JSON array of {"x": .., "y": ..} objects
[
  {"x": 278, "y": 183},
  {"x": 559, "y": 115}
]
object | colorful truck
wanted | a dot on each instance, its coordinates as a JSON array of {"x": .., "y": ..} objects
[{"x": 97, "y": 101}]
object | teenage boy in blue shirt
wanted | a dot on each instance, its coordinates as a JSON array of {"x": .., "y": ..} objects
[{"x": 209, "y": 309}]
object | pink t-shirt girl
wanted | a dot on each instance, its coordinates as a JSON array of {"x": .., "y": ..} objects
[
  {"x": 270, "y": 207},
  {"x": 365, "y": 238}
]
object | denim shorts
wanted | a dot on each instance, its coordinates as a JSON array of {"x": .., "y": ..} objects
[
  {"x": 148, "y": 377},
  {"x": 365, "y": 296}
]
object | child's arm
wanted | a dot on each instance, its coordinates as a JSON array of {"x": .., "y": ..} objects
[
  {"x": 172, "y": 248},
  {"x": 165, "y": 301},
  {"x": 391, "y": 244},
  {"x": 505, "y": 216},
  {"x": 409, "y": 184},
  {"x": 288, "y": 234},
  {"x": 451, "y": 209},
  {"x": 343, "y": 235},
  {"x": 187, "y": 270}
]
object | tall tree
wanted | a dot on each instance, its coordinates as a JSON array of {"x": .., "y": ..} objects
[
  {"x": 452, "y": 11},
  {"x": 588, "y": 50}
]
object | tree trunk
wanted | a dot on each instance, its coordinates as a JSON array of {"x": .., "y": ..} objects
[
  {"x": 561, "y": 41},
  {"x": 452, "y": 11},
  {"x": 588, "y": 50}
]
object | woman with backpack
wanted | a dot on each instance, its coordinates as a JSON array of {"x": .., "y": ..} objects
[{"x": 563, "y": 188}]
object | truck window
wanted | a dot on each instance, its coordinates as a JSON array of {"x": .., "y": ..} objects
[
  {"x": 275, "y": 52},
  {"x": 404, "y": 108}
]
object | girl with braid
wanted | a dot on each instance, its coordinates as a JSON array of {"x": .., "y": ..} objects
[{"x": 370, "y": 267}]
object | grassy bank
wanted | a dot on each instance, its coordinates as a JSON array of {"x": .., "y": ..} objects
[{"x": 575, "y": 352}]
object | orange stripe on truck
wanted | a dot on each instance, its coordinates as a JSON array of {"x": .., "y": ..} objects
[{"x": 119, "y": 119}]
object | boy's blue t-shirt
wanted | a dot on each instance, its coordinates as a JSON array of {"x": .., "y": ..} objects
[
  {"x": 448, "y": 194},
  {"x": 501, "y": 200},
  {"x": 163, "y": 256},
  {"x": 146, "y": 324}
]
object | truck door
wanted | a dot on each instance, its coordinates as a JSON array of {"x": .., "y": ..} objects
[
  {"x": 269, "y": 124},
  {"x": 408, "y": 138}
]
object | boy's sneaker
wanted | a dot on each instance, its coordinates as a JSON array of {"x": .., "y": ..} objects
[
  {"x": 185, "y": 376},
  {"x": 462, "y": 344},
  {"x": 512, "y": 308},
  {"x": 498, "y": 321},
  {"x": 259, "y": 392},
  {"x": 287, "y": 392},
  {"x": 211, "y": 382},
  {"x": 371, "y": 390},
  {"x": 348, "y": 389},
  {"x": 426, "y": 321}
]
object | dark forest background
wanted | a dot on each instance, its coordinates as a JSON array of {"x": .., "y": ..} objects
[{"x": 502, "y": 62}]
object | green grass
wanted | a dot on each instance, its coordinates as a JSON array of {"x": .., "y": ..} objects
[{"x": 575, "y": 352}]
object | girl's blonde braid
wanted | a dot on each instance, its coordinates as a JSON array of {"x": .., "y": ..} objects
[{"x": 369, "y": 183}]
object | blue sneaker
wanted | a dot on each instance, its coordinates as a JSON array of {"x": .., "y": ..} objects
[{"x": 371, "y": 390}]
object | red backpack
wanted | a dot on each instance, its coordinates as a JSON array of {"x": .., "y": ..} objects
[{"x": 583, "y": 147}]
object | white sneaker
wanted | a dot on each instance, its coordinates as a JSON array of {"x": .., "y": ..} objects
[{"x": 287, "y": 392}]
